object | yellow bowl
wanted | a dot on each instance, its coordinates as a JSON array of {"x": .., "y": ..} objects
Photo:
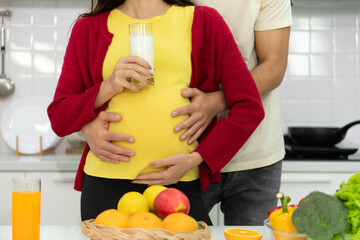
[
  {"x": 280, "y": 235},
  {"x": 242, "y": 234}
]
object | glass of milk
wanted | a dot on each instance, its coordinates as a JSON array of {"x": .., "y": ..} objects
[{"x": 142, "y": 45}]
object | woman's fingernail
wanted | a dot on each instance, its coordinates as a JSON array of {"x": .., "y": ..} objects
[
  {"x": 177, "y": 129},
  {"x": 174, "y": 114},
  {"x": 117, "y": 116},
  {"x": 184, "y": 92},
  {"x": 190, "y": 142},
  {"x": 131, "y": 154},
  {"x": 183, "y": 137},
  {"x": 131, "y": 140},
  {"x": 126, "y": 159}
]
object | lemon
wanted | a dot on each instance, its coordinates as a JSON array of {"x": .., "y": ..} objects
[
  {"x": 150, "y": 194},
  {"x": 132, "y": 202}
]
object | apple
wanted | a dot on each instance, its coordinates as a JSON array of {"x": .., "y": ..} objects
[{"x": 171, "y": 200}]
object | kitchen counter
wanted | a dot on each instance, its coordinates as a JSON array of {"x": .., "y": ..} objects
[
  {"x": 11, "y": 163},
  {"x": 74, "y": 232},
  {"x": 51, "y": 162}
]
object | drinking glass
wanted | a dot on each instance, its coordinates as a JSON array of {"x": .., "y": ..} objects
[
  {"x": 26, "y": 209},
  {"x": 142, "y": 45}
]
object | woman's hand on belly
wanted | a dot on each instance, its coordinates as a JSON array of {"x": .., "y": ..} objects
[{"x": 176, "y": 167}]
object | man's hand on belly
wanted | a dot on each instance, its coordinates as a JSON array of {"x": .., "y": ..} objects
[
  {"x": 202, "y": 109},
  {"x": 177, "y": 166},
  {"x": 100, "y": 139}
]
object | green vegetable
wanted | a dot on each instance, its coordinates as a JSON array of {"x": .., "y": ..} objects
[
  {"x": 349, "y": 195},
  {"x": 321, "y": 216}
]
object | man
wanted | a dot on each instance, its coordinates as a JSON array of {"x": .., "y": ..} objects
[{"x": 251, "y": 179}]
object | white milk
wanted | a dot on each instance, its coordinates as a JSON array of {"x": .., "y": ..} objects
[{"x": 143, "y": 46}]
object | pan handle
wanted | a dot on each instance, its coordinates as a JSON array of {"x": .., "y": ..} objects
[{"x": 347, "y": 126}]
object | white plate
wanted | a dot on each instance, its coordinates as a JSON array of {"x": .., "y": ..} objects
[{"x": 27, "y": 118}]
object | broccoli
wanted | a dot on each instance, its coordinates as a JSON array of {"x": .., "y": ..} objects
[{"x": 321, "y": 216}]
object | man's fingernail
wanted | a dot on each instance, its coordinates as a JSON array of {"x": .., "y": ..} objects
[
  {"x": 117, "y": 116},
  {"x": 131, "y": 140},
  {"x": 183, "y": 137},
  {"x": 184, "y": 92},
  {"x": 190, "y": 142},
  {"x": 126, "y": 159},
  {"x": 177, "y": 129},
  {"x": 131, "y": 154},
  {"x": 174, "y": 114}
]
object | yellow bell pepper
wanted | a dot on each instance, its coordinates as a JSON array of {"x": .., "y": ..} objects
[{"x": 280, "y": 217}]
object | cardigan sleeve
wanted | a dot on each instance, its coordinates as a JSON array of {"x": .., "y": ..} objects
[
  {"x": 75, "y": 94},
  {"x": 229, "y": 134}
]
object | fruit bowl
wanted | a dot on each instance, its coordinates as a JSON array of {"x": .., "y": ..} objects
[
  {"x": 100, "y": 232},
  {"x": 280, "y": 235}
]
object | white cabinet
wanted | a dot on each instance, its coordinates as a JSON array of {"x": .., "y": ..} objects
[
  {"x": 298, "y": 185},
  {"x": 6, "y": 188},
  {"x": 60, "y": 203}
]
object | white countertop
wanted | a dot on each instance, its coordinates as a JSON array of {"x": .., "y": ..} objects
[
  {"x": 51, "y": 162},
  {"x": 68, "y": 163},
  {"x": 74, "y": 232}
]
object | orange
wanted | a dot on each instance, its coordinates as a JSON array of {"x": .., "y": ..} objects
[
  {"x": 144, "y": 220},
  {"x": 180, "y": 222},
  {"x": 112, "y": 217},
  {"x": 150, "y": 194},
  {"x": 132, "y": 202},
  {"x": 242, "y": 234}
]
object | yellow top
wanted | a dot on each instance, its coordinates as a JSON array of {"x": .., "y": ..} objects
[{"x": 147, "y": 114}]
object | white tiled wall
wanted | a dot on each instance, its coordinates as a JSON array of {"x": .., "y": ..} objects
[
  {"x": 37, "y": 35},
  {"x": 321, "y": 87},
  {"x": 322, "y": 84}
]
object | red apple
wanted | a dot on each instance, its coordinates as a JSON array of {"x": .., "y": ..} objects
[{"x": 171, "y": 200}]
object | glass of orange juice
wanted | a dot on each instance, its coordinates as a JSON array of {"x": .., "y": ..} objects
[{"x": 26, "y": 209}]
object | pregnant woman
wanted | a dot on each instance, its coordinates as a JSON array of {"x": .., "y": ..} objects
[{"x": 193, "y": 47}]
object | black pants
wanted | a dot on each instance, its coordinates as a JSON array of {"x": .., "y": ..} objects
[{"x": 99, "y": 194}]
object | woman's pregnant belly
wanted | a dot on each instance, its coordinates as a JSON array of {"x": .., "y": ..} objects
[{"x": 146, "y": 116}]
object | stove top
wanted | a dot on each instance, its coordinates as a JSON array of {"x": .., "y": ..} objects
[{"x": 301, "y": 152}]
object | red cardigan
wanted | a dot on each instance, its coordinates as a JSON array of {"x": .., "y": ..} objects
[{"x": 215, "y": 59}]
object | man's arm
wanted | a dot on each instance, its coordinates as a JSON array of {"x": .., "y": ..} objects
[
  {"x": 272, "y": 52},
  {"x": 272, "y": 47}
]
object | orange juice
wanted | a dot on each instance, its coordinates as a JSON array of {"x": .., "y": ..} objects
[{"x": 26, "y": 215}]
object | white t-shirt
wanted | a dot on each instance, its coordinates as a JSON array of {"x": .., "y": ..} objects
[{"x": 266, "y": 144}]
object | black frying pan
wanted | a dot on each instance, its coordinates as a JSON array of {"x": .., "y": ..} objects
[{"x": 319, "y": 136}]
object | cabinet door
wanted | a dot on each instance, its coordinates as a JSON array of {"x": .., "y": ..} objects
[
  {"x": 60, "y": 203},
  {"x": 6, "y": 188},
  {"x": 298, "y": 185}
]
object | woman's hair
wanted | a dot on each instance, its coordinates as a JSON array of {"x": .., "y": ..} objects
[{"x": 99, "y": 6}]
